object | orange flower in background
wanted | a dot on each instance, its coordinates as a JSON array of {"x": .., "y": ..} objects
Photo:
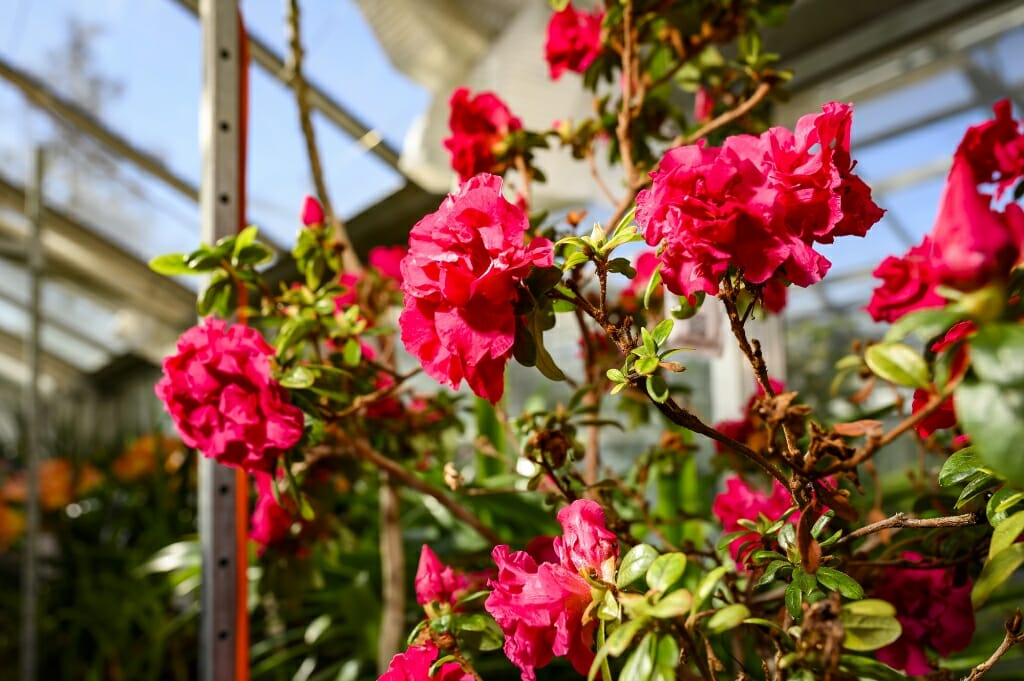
[
  {"x": 58, "y": 484},
  {"x": 140, "y": 458},
  {"x": 89, "y": 478},
  {"x": 12, "y": 525}
]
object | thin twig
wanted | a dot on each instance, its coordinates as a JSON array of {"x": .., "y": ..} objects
[
  {"x": 295, "y": 54},
  {"x": 726, "y": 118},
  {"x": 598, "y": 180},
  {"x": 1013, "y": 637},
  {"x": 900, "y": 520}
]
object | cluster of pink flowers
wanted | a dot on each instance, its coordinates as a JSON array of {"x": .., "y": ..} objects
[
  {"x": 539, "y": 599},
  {"x": 740, "y": 501},
  {"x": 933, "y": 610},
  {"x": 479, "y": 125},
  {"x": 757, "y": 206},
  {"x": 971, "y": 244},
  {"x": 223, "y": 400},
  {"x": 574, "y": 41},
  {"x": 415, "y": 663},
  {"x": 461, "y": 278}
]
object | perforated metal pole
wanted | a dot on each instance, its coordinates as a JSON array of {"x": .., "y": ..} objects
[
  {"x": 219, "y": 132},
  {"x": 29, "y": 575}
]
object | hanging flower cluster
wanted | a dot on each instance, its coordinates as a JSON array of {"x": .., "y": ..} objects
[
  {"x": 460, "y": 281},
  {"x": 540, "y": 599},
  {"x": 574, "y": 41},
  {"x": 479, "y": 126},
  {"x": 756, "y": 205},
  {"x": 972, "y": 244},
  {"x": 223, "y": 400}
]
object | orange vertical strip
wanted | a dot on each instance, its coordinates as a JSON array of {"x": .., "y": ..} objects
[{"x": 241, "y": 478}]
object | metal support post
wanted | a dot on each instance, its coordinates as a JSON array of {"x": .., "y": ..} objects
[
  {"x": 30, "y": 576},
  {"x": 223, "y": 633}
]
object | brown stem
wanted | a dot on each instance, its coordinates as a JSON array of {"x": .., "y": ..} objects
[
  {"x": 1013, "y": 637},
  {"x": 295, "y": 55},
  {"x": 598, "y": 180},
  {"x": 726, "y": 118},
  {"x": 625, "y": 123},
  {"x": 392, "y": 564},
  {"x": 525, "y": 175},
  {"x": 400, "y": 474},
  {"x": 900, "y": 520}
]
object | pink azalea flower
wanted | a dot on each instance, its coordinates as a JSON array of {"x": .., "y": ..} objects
[
  {"x": 270, "y": 522},
  {"x": 757, "y": 205},
  {"x": 461, "y": 278},
  {"x": 312, "y": 212},
  {"x": 540, "y": 604},
  {"x": 994, "y": 150},
  {"x": 934, "y": 611},
  {"x": 574, "y": 41},
  {"x": 388, "y": 261},
  {"x": 908, "y": 284},
  {"x": 740, "y": 501},
  {"x": 222, "y": 399},
  {"x": 973, "y": 245},
  {"x": 435, "y": 581},
  {"x": 414, "y": 665},
  {"x": 478, "y": 125}
]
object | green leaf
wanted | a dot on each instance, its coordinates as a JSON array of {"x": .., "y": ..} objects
[
  {"x": 298, "y": 377},
  {"x": 252, "y": 255},
  {"x": 558, "y": 5},
  {"x": 615, "y": 376},
  {"x": 841, "y": 582},
  {"x": 665, "y": 571},
  {"x": 959, "y": 467},
  {"x": 793, "y": 598},
  {"x": 652, "y": 285},
  {"x": 707, "y": 585},
  {"x": 991, "y": 416},
  {"x": 925, "y": 324},
  {"x": 650, "y": 347},
  {"x": 645, "y": 366},
  {"x": 171, "y": 265},
  {"x": 729, "y": 617},
  {"x": 997, "y": 353},
  {"x": 772, "y": 569},
  {"x": 897, "y": 363},
  {"x": 869, "y": 669},
  {"x": 674, "y": 604},
  {"x": 999, "y": 568},
  {"x": 640, "y": 663},
  {"x": 804, "y": 581},
  {"x": 545, "y": 363},
  {"x": 244, "y": 238},
  {"x": 352, "y": 353},
  {"x": 623, "y": 636},
  {"x": 316, "y": 629},
  {"x": 657, "y": 388},
  {"x": 1006, "y": 533},
  {"x": 869, "y": 624},
  {"x": 662, "y": 330},
  {"x": 635, "y": 564},
  {"x": 574, "y": 259},
  {"x": 976, "y": 486}
]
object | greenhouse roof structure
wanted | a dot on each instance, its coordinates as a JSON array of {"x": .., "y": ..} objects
[{"x": 111, "y": 91}]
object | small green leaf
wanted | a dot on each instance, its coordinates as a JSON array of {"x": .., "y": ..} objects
[
  {"x": 640, "y": 663},
  {"x": 645, "y": 366},
  {"x": 650, "y": 347},
  {"x": 623, "y": 636},
  {"x": 869, "y": 624},
  {"x": 793, "y": 599},
  {"x": 253, "y": 255},
  {"x": 991, "y": 416},
  {"x": 869, "y": 669},
  {"x": 244, "y": 238},
  {"x": 999, "y": 568},
  {"x": 1006, "y": 534},
  {"x": 925, "y": 324},
  {"x": 958, "y": 467},
  {"x": 665, "y": 571},
  {"x": 841, "y": 582},
  {"x": 615, "y": 376},
  {"x": 652, "y": 285},
  {"x": 707, "y": 585},
  {"x": 352, "y": 353},
  {"x": 170, "y": 265},
  {"x": 574, "y": 259},
  {"x": 298, "y": 377},
  {"x": 545, "y": 363},
  {"x": 773, "y": 568},
  {"x": 897, "y": 363},
  {"x": 657, "y": 388},
  {"x": 997, "y": 353},
  {"x": 635, "y": 564},
  {"x": 675, "y": 604},
  {"x": 662, "y": 330},
  {"x": 316, "y": 629},
  {"x": 729, "y": 617},
  {"x": 804, "y": 581}
]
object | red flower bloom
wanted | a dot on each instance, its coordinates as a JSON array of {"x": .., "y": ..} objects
[
  {"x": 738, "y": 502},
  {"x": 943, "y": 417},
  {"x": 478, "y": 124},
  {"x": 974, "y": 245},
  {"x": 574, "y": 41},
  {"x": 223, "y": 400},
  {"x": 757, "y": 205},
  {"x": 312, "y": 212},
  {"x": 995, "y": 149},
  {"x": 387, "y": 260},
  {"x": 435, "y": 581},
  {"x": 414, "y": 665},
  {"x": 540, "y": 605},
  {"x": 270, "y": 522},
  {"x": 933, "y": 610},
  {"x": 908, "y": 284},
  {"x": 461, "y": 275}
]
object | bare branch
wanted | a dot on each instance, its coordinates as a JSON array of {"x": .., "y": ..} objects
[{"x": 900, "y": 520}]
